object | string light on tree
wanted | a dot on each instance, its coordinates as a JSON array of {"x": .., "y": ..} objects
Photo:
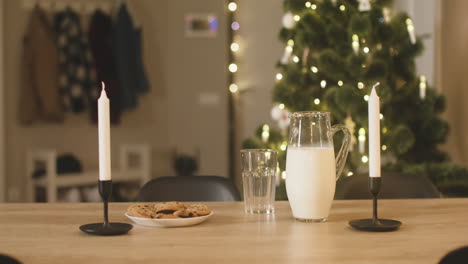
[
  {"x": 297, "y": 18},
  {"x": 296, "y": 59},
  {"x": 410, "y": 28},
  {"x": 340, "y": 83},
  {"x": 342, "y": 8},
  {"x": 362, "y": 140},
  {"x": 323, "y": 84},
  {"x": 364, "y": 159},
  {"x": 279, "y": 76},
  {"x": 308, "y": 4},
  {"x": 314, "y": 6},
  {"x": 360, "y": 85},
  {"x": 366, "y": 97},
  {"x": 422, "y": 87},
  {"x": 317, "y": 101},
  {"x": 314, "y": 69},
  {"x": 366, "y": 49},
  {"x": 265, "y": 133}
]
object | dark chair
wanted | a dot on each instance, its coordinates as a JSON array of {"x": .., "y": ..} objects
[
  {"x": 394, "y": 186},
  {"x": 189, "y": 188}
]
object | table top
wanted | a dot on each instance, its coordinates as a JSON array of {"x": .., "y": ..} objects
[{"x": 49, "y": 233}]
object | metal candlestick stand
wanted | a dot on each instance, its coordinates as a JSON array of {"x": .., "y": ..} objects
[
  {"x": 106, "y": 228},
  {"x": 375, "y": 224}
]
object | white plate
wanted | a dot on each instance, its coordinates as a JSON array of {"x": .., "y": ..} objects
[{"x": 168, "y": 222}]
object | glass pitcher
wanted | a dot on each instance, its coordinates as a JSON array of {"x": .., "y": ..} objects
[{"x": 311, "y": 170}]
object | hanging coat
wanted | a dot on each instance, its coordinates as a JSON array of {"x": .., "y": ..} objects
[
  {"x": 128, "y": 56},
  {"x": 39, "y": 97},
  {"x": 100, "y": 42},
  {"x": 75, "y": 65}
]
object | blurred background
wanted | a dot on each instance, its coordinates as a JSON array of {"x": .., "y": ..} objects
[{"x": 169, "y": 68}]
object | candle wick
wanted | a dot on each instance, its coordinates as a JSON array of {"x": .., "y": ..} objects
[
  {"x": 377, "y": 84},
  {"x": 103, "y": 86}
]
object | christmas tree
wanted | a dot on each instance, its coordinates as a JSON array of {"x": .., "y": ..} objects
[{"x": 335, "y": 50}]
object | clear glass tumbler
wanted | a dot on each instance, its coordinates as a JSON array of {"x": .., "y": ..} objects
[{"x": 259, "y": 180}]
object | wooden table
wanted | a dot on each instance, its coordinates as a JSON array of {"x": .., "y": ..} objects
[{"x": 48, "y": 233}]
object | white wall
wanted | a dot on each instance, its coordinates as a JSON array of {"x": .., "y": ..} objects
[
  {"x": 260, "y": 50},
  {"x": 424, "y": 14},
  {"x": 168, "y": 117}
]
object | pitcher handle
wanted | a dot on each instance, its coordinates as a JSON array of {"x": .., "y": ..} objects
[{"x": 344, "y": 150}]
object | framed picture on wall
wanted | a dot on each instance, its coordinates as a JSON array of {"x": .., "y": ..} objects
[{"x": 201, "y": 25}]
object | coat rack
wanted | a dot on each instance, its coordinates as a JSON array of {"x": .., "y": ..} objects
[{"x": 82, "y": 6}]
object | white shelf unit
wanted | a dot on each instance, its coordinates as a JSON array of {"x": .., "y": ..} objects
[{"x": 134, "y": 166}]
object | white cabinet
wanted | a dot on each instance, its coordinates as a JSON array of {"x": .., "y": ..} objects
[{"x": 134, "y": 166}]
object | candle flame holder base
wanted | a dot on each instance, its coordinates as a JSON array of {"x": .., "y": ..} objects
[
  {"x": 106, "y": 228},
  {"x": 375, "y": 224}
]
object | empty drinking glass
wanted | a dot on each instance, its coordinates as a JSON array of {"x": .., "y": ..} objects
[{"x": 259, "y": 179}]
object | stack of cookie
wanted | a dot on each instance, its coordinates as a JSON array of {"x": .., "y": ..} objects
[{"x": 168, "y": 210}]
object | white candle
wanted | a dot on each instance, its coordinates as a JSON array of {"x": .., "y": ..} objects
[
  {"x": 355, "y": 44},
  {"x": 410, "y": 28},
  {"x": 422, "y": 87},
  {"x": 374, "y": 133},
  {"x": 104, "y": 137}
]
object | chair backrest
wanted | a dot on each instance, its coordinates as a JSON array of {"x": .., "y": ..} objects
[
  {"x": 189, "y": 188},
  {"x": 394, "y": 186}
]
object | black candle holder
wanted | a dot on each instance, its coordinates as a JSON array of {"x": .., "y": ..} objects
[
  {"x": 106, "y": 228},
  {"x": 375, "y": 224}
]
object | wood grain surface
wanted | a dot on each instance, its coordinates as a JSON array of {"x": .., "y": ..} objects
[{"x": 49, "y": 233}]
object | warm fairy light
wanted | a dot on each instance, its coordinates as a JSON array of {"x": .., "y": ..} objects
[
  {"x": 350, "y": 174},
  {"x": 283, "y": 175},
  {"x": 233, "y": 67},
  {"x": 265, "y": 133},
  {"x": 342, "y": 7},
  {"x": 232, "y": 6},
  {"x": 360, "y": 85},
  {"x": 235, "y": 26},
  {"x": 297, "y": 18},
  {"x": 234, "y": 47},
  {"x": 233, "y": 88},
  {"x": 296, "y": 59},
  {"x": 384, "y": 147},
  {"x": 314, "y": 6},
  {"x": 364, "y": 159},
  {"x": 381, "y": 116},
  {"x": 340, "y": 83},
  {"x": 317, "y": 101},
  {"x": 289, "y": 49},
  {"x": 365, "y": 49},
  {"x": 323, "y": 84},
  {"x": 290, "y": 42},
  {"x": 308, "y": 4},
  {"x": 281, "y": 106},
  {"x": 366, "y": 98},
  {"x": 283, "y": 146},
  {"x": 279, "y": 76},
  {"x": 314, "y": 69},
  {"x": 384, "y": 130}
]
